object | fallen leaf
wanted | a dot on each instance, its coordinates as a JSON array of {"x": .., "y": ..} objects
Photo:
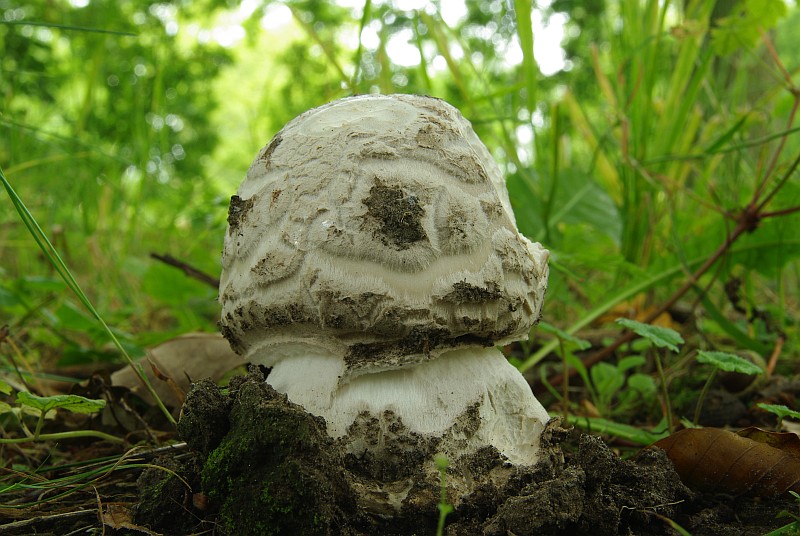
[
  {"x": 788, "y": 442},
  {"x": 192, "y": 356},
  {"x": 177, "y": 390},
  {"x": 711, "y": 459},
  {"x": 119, "y": 517},
  {"x": 637, "y": 309}
]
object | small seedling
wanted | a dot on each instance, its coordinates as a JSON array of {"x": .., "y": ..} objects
[
  {"x": 609, "y": 381},
  {"x": 793, "y": 528},
  {"x": 41, "y": 406},
  {"x": 444, "y": 507},
  {"x": 565, "y": 341},
  {"x": 781, "y": 412},
  {"x": 661, "y": 337},
  {"x": 721, "y": 361}
]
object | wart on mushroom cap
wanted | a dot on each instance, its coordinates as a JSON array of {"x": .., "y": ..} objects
[{"x": 372, "y": 259}]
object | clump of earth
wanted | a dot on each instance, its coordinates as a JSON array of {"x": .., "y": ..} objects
[{"x": 262, "y": 465}]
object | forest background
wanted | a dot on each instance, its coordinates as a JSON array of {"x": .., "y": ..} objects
[{"x": 651, "y": 146}]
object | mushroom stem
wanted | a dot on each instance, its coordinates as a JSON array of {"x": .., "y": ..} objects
[{"x": 433, "y": 398}]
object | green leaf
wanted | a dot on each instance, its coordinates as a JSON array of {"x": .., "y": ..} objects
[
  {"x": 9, "y": 299},
  {"x": 594, "y": 425},
  {"x": 5, "y": 388},
  {"x": 726, "y": 136},
  {"x": 632, "y": 361},
  {"x": 661, "y": 337},
  {"x": 781, "y": 411},
  {"x": 582, "y": 344},
  {"x": 734, "y": 331},
  {"x": 644, "y": 384},
  {"x": 607, "y": 379},
  {"x": 73, "y": 403},
  {"x": 780, "y": 233},
  {"x": 5, "y": 408},
  {"x": 731, "y": 34},
  {"x": 573, "y": 361},
  {"x": 573, "y": 204},
  {"x": 765, "y": 13},
  {"x": 728, "y": 362},
  {"x": 743, "y": 29}
]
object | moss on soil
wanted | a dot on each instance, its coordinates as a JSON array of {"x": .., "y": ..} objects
[{"x": 271, "y": 474}]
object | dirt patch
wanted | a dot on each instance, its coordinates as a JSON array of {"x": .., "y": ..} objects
[
  {"x": 266, "y": 153},
  {"x": 398, "y": 215},
  {"x": 268, "y": 467},
  {"x": 464, "y": 292},
  {"x": 238, "y": 211}
]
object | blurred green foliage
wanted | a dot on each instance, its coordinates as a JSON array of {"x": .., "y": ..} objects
[{"x": 126, "y": 125}]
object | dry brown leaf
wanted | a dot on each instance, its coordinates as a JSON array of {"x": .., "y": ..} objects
[
  {"x": 711, "y": 459},
  {"x": 118, "y": 517},
  {"x": 192, "y": 356},
  {"x": 788, "y": 442},
  {"x": 637, "y": 309},
  {"x": 177, "y": 390}
]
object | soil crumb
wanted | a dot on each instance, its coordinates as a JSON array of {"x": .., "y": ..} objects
[{"x": 264, "y": 466}]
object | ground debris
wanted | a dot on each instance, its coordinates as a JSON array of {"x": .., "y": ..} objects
[{"x": 276, "y": 467}]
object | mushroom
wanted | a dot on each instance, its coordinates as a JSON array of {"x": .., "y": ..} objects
[{"x": 373, "y": 263}]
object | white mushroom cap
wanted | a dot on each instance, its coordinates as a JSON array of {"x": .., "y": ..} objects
[
  {"x": 372, "y": 260},
  {"x": 377, "y": 228}
]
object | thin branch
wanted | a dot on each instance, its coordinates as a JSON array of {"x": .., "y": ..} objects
[
  {"x": 781, "y": 182},
  {"x": 187, "y": 269},
  {"x": 775, "y": 155},
  {"x": 783, "y": 212}
]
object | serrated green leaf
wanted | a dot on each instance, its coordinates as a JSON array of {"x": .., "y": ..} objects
[
  {"x": 73, "y": 403},
  {"x": 728, "y": 362},
  {"x": 5, "y": 408},
  {"x": 660, "y": 336},
  {"x": 744, "y": 28},
  {"x": 5, "y": 388},
  {"x": 582, "y": 344},
  {"x": 731, "y": 34},
  {"x": 781, "y": 411},
  {"x": 764, "y": 13}
]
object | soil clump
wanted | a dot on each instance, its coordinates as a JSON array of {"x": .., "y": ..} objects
[{"x": 264, "y": 466}]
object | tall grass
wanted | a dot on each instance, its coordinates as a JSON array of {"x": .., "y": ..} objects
[
  {"x": 630, "y": 168},
  {"x": 54, "y": 258}
]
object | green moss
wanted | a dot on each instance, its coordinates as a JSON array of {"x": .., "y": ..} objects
[
  {"x": 268, "y": 476},
  {"x": 164, "y": 500}
]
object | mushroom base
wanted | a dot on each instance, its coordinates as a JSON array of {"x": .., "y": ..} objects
[
  {"x": 269, "y": 467},
  {"x": 456, "y": 404}
]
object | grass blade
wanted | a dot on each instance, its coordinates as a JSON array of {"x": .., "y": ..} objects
[
  {"x": 55, "y": 259},
  {"x": 67, "y": 27}
]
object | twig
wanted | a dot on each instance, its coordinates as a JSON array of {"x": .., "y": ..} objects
[
  {"x": 46, "y": 519},
  {"x": 743, "y": 225},
  {"x": 747, "y": 221},
  {"x": 773, "y": 359},
  {"x": 187, "y": 269}
]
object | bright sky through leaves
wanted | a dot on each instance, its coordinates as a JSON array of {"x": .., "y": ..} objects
[{"x": 548, "y": 33}]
